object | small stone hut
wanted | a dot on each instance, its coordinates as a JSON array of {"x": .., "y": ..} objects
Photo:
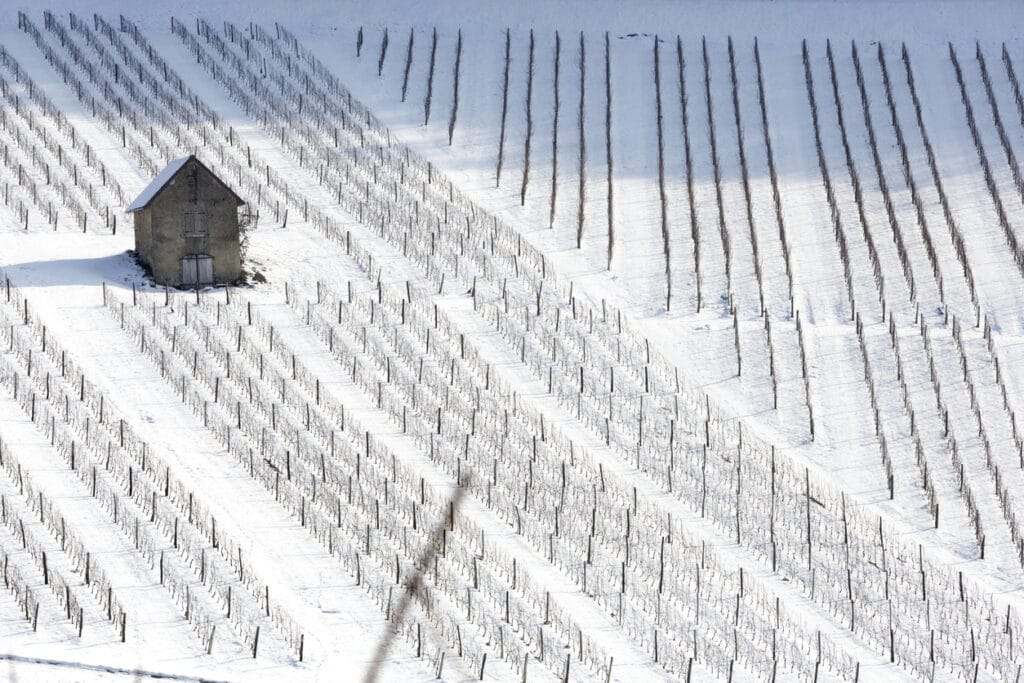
[{"x": 186, "y": 226}]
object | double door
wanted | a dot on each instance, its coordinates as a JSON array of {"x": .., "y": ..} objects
[{"x": 197, "y": 269}]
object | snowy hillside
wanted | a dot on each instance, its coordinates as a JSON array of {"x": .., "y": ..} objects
[{"x": 676, "y": 342}]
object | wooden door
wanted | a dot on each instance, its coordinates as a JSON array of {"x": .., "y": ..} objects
[
  {"x": 197, "y": 269},
  {"x": 204, "y": 270},
  {"x": 189, "y": 271}
]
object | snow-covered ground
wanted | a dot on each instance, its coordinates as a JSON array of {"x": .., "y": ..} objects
[{"x": 460, "y": 382}]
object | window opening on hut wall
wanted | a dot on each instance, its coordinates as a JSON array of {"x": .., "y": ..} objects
[{"x": 194, "y": 222}]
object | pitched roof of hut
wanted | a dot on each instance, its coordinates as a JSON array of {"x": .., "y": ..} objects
[{"x": 165, "y": 176}]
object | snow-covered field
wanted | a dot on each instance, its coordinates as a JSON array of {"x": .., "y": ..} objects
[{"x": 584, "y": 341}]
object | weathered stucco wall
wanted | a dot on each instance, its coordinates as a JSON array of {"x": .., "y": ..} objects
[
  {"x": 143, "y": 235},
  {"x": 160, "y": 236}
]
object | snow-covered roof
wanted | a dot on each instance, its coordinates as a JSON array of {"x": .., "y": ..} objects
[{"x": 162, "y": 178}]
